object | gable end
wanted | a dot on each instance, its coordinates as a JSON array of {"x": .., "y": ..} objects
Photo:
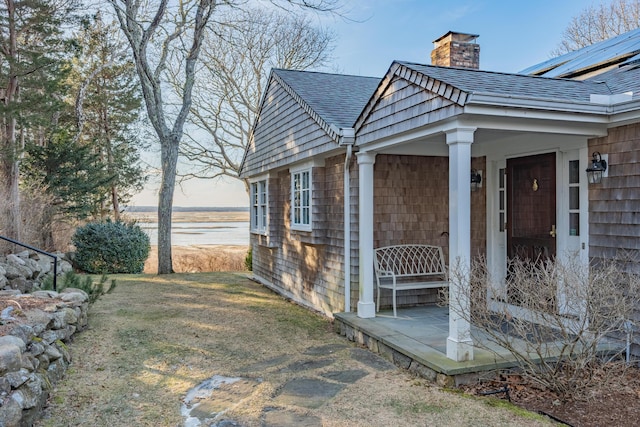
[
  {"x": 407, "y": 100},
  {"x": 449, "y": 94},
  {"x": 332, "y": 131},
  {"x": 285, "y": 132}
]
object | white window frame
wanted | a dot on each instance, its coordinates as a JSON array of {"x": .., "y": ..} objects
[
  {"x": 259, "y": 216},
  {"x": 301, "y": 198}
]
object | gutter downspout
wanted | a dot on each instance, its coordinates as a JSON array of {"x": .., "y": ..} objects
[{"x": 347, "y": 139}]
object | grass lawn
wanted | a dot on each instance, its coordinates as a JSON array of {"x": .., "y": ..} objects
[{"x": 156, "y": 337}]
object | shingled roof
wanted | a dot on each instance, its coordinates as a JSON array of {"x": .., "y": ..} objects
[
  {"x": 337, "y": 98},
  {"x": 516, "y": 85},
  {"x": 626, "y": 78}
]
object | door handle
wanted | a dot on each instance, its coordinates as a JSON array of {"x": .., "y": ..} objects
[{"x": 552, "y": 233}]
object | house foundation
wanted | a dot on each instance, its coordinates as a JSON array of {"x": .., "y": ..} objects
[{"x": 401, "y": 345}]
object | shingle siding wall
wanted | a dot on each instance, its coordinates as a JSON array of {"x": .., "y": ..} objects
[
  {"x": 411, "y": 206},
  {"x": 307, "y": 266},
  {"x": 614, "y": 205},
  {"x": 354, "y": 203},
  {"x": 404, "y": 106},
  {"x": 284, "y": 134}
]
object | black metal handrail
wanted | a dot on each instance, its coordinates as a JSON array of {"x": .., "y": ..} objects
[{"x": 40, "y": 251}]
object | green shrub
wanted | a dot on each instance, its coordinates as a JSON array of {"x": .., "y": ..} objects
[
  {"x": 248, "y": 260},
  {"x": 110, "y": 247},
  {"x": 85, "y": 283}
]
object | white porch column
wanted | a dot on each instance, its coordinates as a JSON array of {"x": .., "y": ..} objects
[
  {"x": 459, "y": 343},
  {"x": 366, "y": 306}
]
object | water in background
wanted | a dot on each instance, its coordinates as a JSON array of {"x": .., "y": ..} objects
[
  {"x": 202, "y": 233},
  {"x": 196, "y": 226}
]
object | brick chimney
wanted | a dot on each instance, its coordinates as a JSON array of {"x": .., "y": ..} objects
[{"x": 456, "y": 50}]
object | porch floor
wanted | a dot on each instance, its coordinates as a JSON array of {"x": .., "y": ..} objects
[{"x": 417, "y": 340}]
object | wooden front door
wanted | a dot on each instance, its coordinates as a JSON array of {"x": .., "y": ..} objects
[
  {"x": 531, "y": 230},
  {"x": 531, "y": 207}
]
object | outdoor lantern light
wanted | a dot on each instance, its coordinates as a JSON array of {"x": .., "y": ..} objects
[
  {"x": 476, "y": 179},
  {"x": 597, "y": 168}
]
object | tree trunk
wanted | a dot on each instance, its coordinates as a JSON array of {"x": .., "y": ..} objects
[
  {"x": 116, "y": 204},
  {"x": 10, "y": 180},
  {"x": 14, "y": 193},
  {"x": 109, "y": 147},
  {"x": 169, "y": 157},
  {"x": 11, "y": 166},
  {"x": 48, "y": 242}
]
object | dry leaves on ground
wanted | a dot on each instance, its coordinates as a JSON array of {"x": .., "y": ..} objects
[{"x": 609, "y": 406}]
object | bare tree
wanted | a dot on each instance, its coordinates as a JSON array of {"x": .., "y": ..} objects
[
  {"x": 236, "y": 58},
  {"x": 160, "y": 33},
  {"x": 597, "y": 23},
  {"x": 153, "y": 43},
  {"x": 561, "y": 321}
]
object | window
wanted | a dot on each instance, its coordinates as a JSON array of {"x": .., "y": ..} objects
[
  {"x": 501, "y": 199},
  {"x": 301, "y": 199},
  {"x": 259, "y": 206},
  {"x": 574, "y": 198}
]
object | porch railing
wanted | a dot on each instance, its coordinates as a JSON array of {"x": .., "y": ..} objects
[{"x": 40, "y": 251}]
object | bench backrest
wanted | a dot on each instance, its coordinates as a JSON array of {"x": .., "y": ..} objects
[{"x": 409, "y": 260}]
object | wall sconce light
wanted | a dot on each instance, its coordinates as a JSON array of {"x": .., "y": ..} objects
[
  {"x": 476, "y": 179},
  {"x": 596, "y": 169}
]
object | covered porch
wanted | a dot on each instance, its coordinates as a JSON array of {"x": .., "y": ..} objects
[
  {"x": 417, "y": 340},
  {"x": 531, "y": 156}
]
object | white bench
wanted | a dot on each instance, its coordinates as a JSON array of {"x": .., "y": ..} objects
[{"x": 405, "y": 267}]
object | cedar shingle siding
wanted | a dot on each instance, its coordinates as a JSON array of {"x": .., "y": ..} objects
[
  {"x": 404, "y": 106},
  {"x": 286, "y": 132},
  {"x": 614, "y": 205},
  {"x": 306, "y": 266},
  {"x": 411, "y": 206},
  {"x": 410, "y": 196}
]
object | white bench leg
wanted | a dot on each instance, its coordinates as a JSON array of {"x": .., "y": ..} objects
[
  {"x": 394, "y": 303},
  {"x": 378, "y": 301}
]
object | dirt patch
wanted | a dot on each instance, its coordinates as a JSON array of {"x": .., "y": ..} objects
[
  {"x": 157, "y": 337},
  {"x": 618, "y": 405}
]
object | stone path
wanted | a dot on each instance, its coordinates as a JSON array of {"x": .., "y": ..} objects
[{"x": 314, "y": 383}]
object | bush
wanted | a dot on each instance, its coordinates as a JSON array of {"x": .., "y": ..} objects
[
  {"x": 557, "y": 319},
  {"x": 110, "y": 247},
  {"x": 73, "y": 280},
  {"x": 248, "y": 260}
]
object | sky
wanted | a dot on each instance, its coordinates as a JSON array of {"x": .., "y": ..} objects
[{"x": 513, "y": 35}]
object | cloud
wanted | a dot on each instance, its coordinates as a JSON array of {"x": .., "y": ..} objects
[{"x": 457, "y": 13}]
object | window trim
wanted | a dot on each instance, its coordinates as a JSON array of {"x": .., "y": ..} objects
[
  {"x": 259, "y": 205},
  {"x": 576, "y": 187},
  {"x": 300, "y": 171}
]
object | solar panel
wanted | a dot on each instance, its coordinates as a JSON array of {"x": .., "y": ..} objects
[{"x": 619, "y": 48}]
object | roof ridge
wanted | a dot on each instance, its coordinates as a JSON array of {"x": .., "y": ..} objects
[
  {"x": 324, "y": 73},
  {"x": 504, "y": 73}
]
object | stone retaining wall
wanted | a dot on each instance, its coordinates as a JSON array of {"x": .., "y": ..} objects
[
  {"x": 26, "y": 270},
  {"x": 33, "y": 354},
  {"x": 34, "y": 330}
]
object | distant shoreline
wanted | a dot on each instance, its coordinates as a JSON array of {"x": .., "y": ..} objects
[{"x": 189, "y": 209}]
